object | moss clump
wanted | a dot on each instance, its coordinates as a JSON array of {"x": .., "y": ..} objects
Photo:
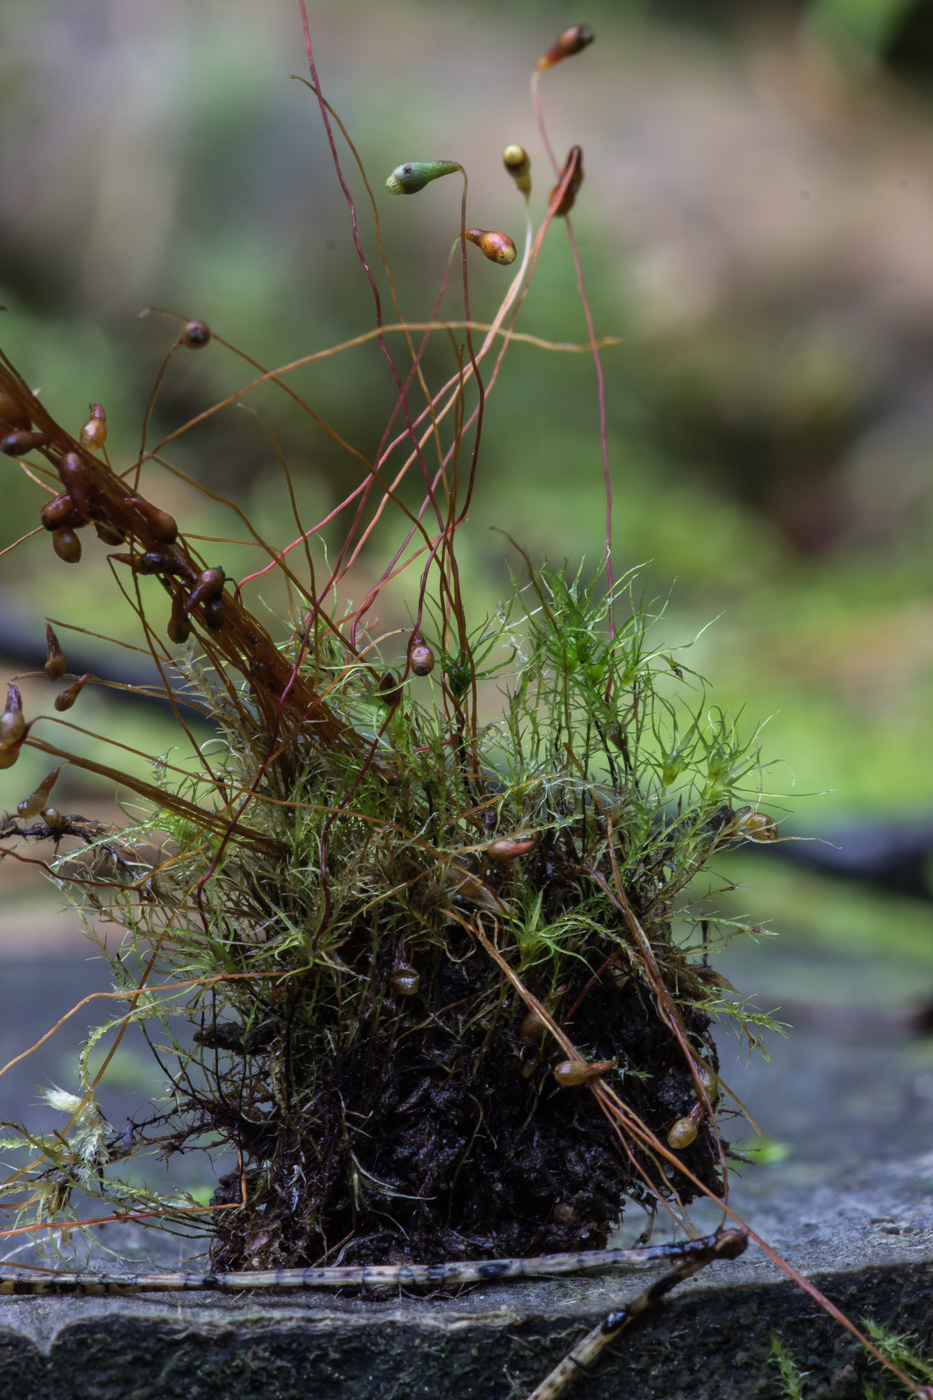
[{"x": 422, "y": 950}]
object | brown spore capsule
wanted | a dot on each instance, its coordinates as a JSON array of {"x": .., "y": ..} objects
[
  {"x": 17, "y": 444},
  {"x": 404, "y": 980},
  {"x": 574, "y": 164},
  {"x": 160, "y": 524},
  {"x": 571, "y": 42},
  {"x": 9, "y": 753},
  {"x": 55, "y": 664},
  {"x": 518, "y": 163},
  {"x": 34, "y": 803},
  {"x": 66, "y": 545},
  {"x": 532, "y": 1028},
  {"x": 108, "y": 533},
  {"x": 94, "y": 432},
  {"x": 420, "y": 655},
  {"x": 179, "y": 628},
  {"x": 73, "y": 473},
  {"x": 214, "y": 613},
  {"x": 52, "y": 817},
  {"x": 209, "y": 585},
  {"x": 388, "y": 689},
  {"x": 12, "y": 720},
  {"x": 66, "y": 698},
  {"x": 572, "y": 1072},
  {"x": 497, "y": 247},
  {"x": 684, "y": 1131},
  {"x": 155, "y": 562},
  {"x": 60, "y": 512},
  {"x": 13, "y": 417},
  {"x": 195, "y": 335},
  {"x": 757, "y": 826}
]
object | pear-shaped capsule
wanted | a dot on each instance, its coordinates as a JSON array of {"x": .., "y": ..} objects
[
  {"x": 510, "y": 848},
  {"x": 195, "y": 335},
  {"x": 160, "y": 524},
  {"x": 573, "y": 165},
  {"x": 684, "y": 1131},
  {"x": 179, "y": 628},
  {"x": 573, "y": 1072},
  {"x": 13, "y": 416},
  {"x": 74, "y": 477},
  {"x": 404, "y": 980},
  {"x": 517, "y": 162},
  {"x": 757, "y": 826},
  {"x": 9, "y": 753},
  {"x": 572, "y": 41},
  {"x": 55, "y": 664},
  {"x": 210, "y": 585},
  {"x": 32, "y": 805},
  {"x": 18, "y": 443},
  {"x": 66, "y": 545},
  {"x": 532, "y": 1028},
  {"x": 94, "y": 432},
  {"x": 60, "y": 512},
  {"x": 420, "y": 655},
  {"x": 388, "y": 689},
  {"x": 66, "y": 698},
  {"x": 12, "y": 720},
  {"x": 497, "y": 247},
  {"x": 412, "y": 175},
  {"x": 214, "y": 612}
]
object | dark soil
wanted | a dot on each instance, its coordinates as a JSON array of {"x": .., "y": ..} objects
[{"x": 436, "y": 1134}]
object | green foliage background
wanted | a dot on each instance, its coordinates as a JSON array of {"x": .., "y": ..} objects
[{"x": 160, "y": 156}]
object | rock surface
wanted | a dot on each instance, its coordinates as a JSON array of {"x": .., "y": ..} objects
[{"x": 851, "y": 1205}]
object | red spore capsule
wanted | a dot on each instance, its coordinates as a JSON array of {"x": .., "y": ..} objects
[
  {"x": 60, "y": 513},
  {"x": 66, "y": 698},
  {"x": 55, "y": 665},
  {"x": 19, "y": 443},
  {"x": 509, "y": 848},
  {"x": 195, "y": 335},
  {"x": 66, "y": 545},
  {"x": 12, "y": 720},
  {"x": 572, "y": 41},
  {"x": 497, "y": 247},
  {"x": 573, "y": 163}
]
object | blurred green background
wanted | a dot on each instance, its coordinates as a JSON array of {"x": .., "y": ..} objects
[{"x": 757, "y": 229}]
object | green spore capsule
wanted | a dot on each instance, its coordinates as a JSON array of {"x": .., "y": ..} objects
[
  {"x": 413, "y": 175},
  {"x": 518, "y": 163}
]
